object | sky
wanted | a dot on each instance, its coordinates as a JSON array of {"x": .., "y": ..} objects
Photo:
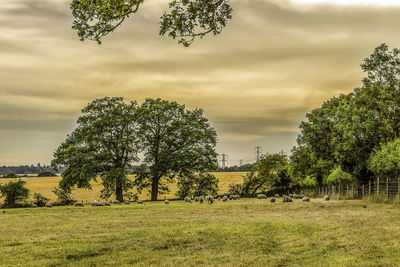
[{"x": 275, "y": 61}]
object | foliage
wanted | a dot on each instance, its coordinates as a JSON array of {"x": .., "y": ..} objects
[
  {"x": 14, "y": 192},
  {"x": 185, "y": 20},
  {"x": 40, "y": 200},
  {"x": 201, "y": 184},
  {"x": 339, "y": 177},
  {"x": 235, "y": 189},
  {"x": 346, "y": 130},
  {"x": 64, "y": 196},
  {"x": 175, "y": 143},
  {"x": 105, "y": 143},
  {"x": 10, "y": 175},
  {"x": 46, "y": 174},
  {"x": 385, "y": 162}
]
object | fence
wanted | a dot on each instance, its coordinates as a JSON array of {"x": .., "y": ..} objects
[{"x": 388, "y": 188}]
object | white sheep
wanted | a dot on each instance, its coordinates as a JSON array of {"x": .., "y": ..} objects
[{"x": 166, "y": 201}]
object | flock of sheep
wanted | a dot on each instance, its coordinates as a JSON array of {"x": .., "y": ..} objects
[{"x": 211, "y": 199}]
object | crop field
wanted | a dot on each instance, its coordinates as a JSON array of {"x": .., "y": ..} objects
[
  {"x": 45, "y": 185},
  {"x": 246, "y": 232}
]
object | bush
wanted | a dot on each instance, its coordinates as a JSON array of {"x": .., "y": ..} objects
[
  {"x": 64, "y": 196},
  {"x": 235, "y": 189},
  {"x": 201, "y": 184},
  {"x": 46, "y": 174},
  {"x": 39, "y": 200},
  {"x": 339, "y": 177},
  {"x": 10, "y": 175},
  {"x": 14, "y": 193}
]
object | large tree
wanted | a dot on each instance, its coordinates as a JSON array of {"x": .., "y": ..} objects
[
  {"x": 176, "y": 143},
  {"x": 105, "y": 143},
  {"x": 185, "y": 19}
]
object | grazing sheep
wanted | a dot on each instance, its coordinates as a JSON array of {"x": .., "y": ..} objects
[
  {"x": 116, "y": 202},
  {"x": 234, "y": 197},
  {"x": 33, "y": 206},
  {"x": 78, "y": 204},
  {"x": 277, "y": 195},
  {"x": 272, "y": 200},
  {"x": 225, "y": 199},
  {"x": 201, "y": 199},
  {"x": 306, "y": 199},
  {"x": 127, "y": 202},
  {"x": 261, "y": 196},
  {"x": 219, "y": 198},
  {"x": 140, "y": 201},
  {"x": 291, "y": 196},
  {"x": 107, "y": 204},
  {"x": 287, "y": 199},
  {"x": 196, "y": 199},
  {"x": 327, "y": 198},
  {"x": 166, "y": 201},
  {"x": 94, "y": 203},
  {"x": 188, "y": 200},
  {"x": 210, "y": 199},
  {"x": 49, "y": 206}
]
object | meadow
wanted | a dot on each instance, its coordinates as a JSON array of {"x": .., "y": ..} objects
[
  {"x": 45, "y": 185},
  {"x": 246, "y": 232}
]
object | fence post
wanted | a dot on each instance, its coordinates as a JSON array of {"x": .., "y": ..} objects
[
  {"x": 363, "y": 190},
  {"x": 387, "y": 188},
  {"x": 377, "y": 186},
  {"x": 347, "y": 190},
  {"x": 369, "y": 188},
  {"x": 398, "y": 187}
]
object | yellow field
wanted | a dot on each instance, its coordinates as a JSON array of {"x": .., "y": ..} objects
[{"x": 45, "y": 185}]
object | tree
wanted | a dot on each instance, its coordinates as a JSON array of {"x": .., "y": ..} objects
[
  {"x": 185, "y": 20},
  {"x": 175, "y": 142},
  {"x": 39, "y": 200},
  {"x": 46, "y": 174},
  {"x": 200, "y": 184},
  {"x": 14, "y": 192},
  {"x": 385, "y": 162},
  {"x": 10, "y": 175},
  {"x": 64, "y": 196},
  {"x": 105, "y": 143},
  {"x": 339, "y": 177}
]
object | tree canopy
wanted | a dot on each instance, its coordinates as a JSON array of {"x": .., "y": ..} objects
[
  {"x": 185, "y": 19},
  {"x": 176, "y": 142},
  {"x": 105, "y": 143},
  {"x": 13, "y": 192},
  {"x": 386, "y": 160}
]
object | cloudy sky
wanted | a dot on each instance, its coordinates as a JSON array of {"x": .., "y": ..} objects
[{"x": 276, "y": 61}]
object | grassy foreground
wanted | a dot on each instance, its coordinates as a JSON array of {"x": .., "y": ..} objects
[
  {"x": 45, "y": 185},
  {"x": 248, "y": 232}
]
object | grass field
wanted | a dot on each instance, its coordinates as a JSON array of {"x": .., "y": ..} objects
[
  {"x": 45, "y": 185},
  {"x": 247, "y": 232}
]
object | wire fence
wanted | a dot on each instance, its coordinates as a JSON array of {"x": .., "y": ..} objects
[{"x": 389, "y": 188}]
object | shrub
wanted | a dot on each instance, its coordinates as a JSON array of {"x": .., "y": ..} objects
[
  {"x": 64, "y": 196},
  {"x": 235, "y": 189},
  {"x": 10, "y": 175},
  {"x": 197, "y": 185},
  {"x": 14, "y": 192},
  {"x": 46, "y": 174},
  {"x": 39, "y": 200}
]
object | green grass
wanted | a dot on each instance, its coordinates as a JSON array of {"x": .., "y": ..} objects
[{"x": 248, "y": 232}]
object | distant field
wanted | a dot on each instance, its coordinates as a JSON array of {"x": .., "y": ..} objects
[
  {"x": 45, "y": 185},
  {"x": 247, "y": 232}
]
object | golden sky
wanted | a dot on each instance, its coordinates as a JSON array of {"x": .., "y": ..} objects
[{"x": 275, "y": 61}]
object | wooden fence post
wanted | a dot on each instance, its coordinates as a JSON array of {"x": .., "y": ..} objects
[
  {"x": 369, "y": 188},
  {"x": 398, "y": 187},
  {"x": 363, "y": 190},
  {"x": 387, "y": 188},
  {"x": 377, "y": 186}
]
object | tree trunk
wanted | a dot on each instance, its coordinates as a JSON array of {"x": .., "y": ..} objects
[
  {"x": 154, "y": 188},
  {"x": 118, "y": 193}
]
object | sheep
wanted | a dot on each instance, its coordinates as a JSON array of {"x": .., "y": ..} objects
[
  {"x": 107, "y": 204},
  {"x": 188, "y": 200},
  {"x": 116, "y": 202},
  {"x": 306, "y": 199},
  {"x": 272, "y": 200},
  {"x": 277, "y": 196},
  {"x": 94, "y": 203},
  {"x": 196, "y": 199},
  {"x": 33, "y": 206},
  {"x": 234, "y": 197},
  {"x": 225, "y": 199},
  {"x": 140, "y": 201},
  {"x": 327, "y": 198},
  {"x": 287, "y": 199},
  {"x": 49, "y": 205},
  {"x": 78, "y": 204},
  {"x": 210, "y": 199},
  {"x": 261, "y": 196},
  {"x": 166, "y": 201},
  {"x": 127, "y": 202},
  {"x": 219, "y": 198},
  {"x": 201, "y": 199}
]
